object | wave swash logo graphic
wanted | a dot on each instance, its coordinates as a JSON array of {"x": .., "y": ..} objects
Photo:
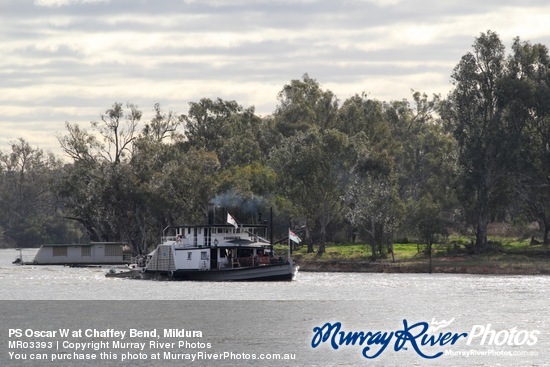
[{"x": 421, "y": 337}]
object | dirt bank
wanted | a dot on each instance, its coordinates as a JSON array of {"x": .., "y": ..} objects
[{"x": 451, "y": 265}]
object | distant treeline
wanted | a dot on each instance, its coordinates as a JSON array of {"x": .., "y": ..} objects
[{"x": 342, "y": 171}]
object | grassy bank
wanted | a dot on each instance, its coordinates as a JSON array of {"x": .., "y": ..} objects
[{"x": 505, "y": 256}]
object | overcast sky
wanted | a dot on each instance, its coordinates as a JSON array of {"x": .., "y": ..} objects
[{"x": 70, "y": 60}]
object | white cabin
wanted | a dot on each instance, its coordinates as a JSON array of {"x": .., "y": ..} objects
[
  {"x": 213, "y": 247},
  {"x": 214, "y": 236}
]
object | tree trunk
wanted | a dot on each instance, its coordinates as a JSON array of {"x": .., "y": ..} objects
[
  {"x": 430, "y": 255},
  {"x": 546, "y": 240},
  {"x": 373, "y": 239},
  {"x": 379, "y": 239},
  {"x": 323, "y": 240},
  {"x": 481, "y": 234},
  {"x": 308, "y": 240},
  {"x": 482, "y": 222}
]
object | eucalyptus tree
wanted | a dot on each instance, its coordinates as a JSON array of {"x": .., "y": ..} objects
[
  {"x": 430, "y": 220},
  {"x": 475, "y": 116},
  {"x": 425, "y": 166},
  {"x": 29, "y": 211},
  {"x": 225, "y": 128},
  {"x": 362, "y": 115},
  {"x": 312, "y": 170},
  {"x": 526, "y": 93},
  {"x": 190, "y": 181},
  {"x": 304, "y": 105},
  {"x": 304, "y": 111},
  {"x": 96, "y": 185},
  {"x": 404, "y": 155},
  {"x": 163, "y": 126},
  {"x": 373, "y": 205}
]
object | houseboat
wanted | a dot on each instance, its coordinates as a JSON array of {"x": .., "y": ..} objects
[
  {"x": 218, "y": 252},
  {"x": 93, "y": 253}
]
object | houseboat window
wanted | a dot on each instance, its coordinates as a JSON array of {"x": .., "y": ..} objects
[
  {"x": 189, "y": 230},
  {"x": 204, "y": 255},
  {"x": 86, "y": 251},
  {"x": 59, "y": 251},
  {"x": 113, "y": 250},
  {"x": 189, "y": 255}
]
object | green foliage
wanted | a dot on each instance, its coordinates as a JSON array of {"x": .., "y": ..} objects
[
  {"x": 487, "y": 122},
  {"x": 304, "y": 106},
  {"x": 364, "y": 171},
  {"x": 28, "y": 210},
  {"x": 225, "y": 128},
  {"x": 312, "y": 170}
]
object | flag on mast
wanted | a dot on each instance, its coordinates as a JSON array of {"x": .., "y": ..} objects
[
  {"x": 232, "y": 221},
  {"x": 293, "y": 236}
]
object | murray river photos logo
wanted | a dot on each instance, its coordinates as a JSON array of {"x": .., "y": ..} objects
[{"x": 427, "y": 339}]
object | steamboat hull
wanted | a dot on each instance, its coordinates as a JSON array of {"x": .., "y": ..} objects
[{"x": 274, "y": 272}]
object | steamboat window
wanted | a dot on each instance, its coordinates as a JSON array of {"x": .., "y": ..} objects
[
  {"x": 204, "y": 255},
  {"x": 59, "y": 251},
  {"x": 85, "y": 251},
  {"x": 189, "y": 254}
]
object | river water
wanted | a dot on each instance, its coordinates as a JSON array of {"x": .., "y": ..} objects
[{"x": 506, "y": 317}]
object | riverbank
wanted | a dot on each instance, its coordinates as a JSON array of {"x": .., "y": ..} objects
[
  {"x": 451, "y": 266},
  {"x": 516, "y": 259}
]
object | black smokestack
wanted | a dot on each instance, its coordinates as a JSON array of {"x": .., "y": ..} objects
[{"x": 211, "y": 213}]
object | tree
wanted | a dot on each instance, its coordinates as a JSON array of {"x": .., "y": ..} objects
[
  {"x": 29, "y": 211},
  {"x": 96, "y": 185},
  {"x": 312, "y": 170},
  {"x": 163, "y": 126},
  {"x": 428, "y": 219},
  {"x": 304, "y": 105},
  {"x": 188, "y": 183},
  {"x": 362, "y": 115},
  {"x": 117, "y": 134},
  {"x": 225, "y": 128},
  {"x": 475, "y": 116},
  {"x": 526, "y": 93},
  {"x": 374, "y": 207}
]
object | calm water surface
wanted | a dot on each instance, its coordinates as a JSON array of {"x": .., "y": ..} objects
[{"x": 361, "y": 301}]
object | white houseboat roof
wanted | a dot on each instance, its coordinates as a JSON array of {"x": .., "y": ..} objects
[{"x": 82, "y": 244}]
